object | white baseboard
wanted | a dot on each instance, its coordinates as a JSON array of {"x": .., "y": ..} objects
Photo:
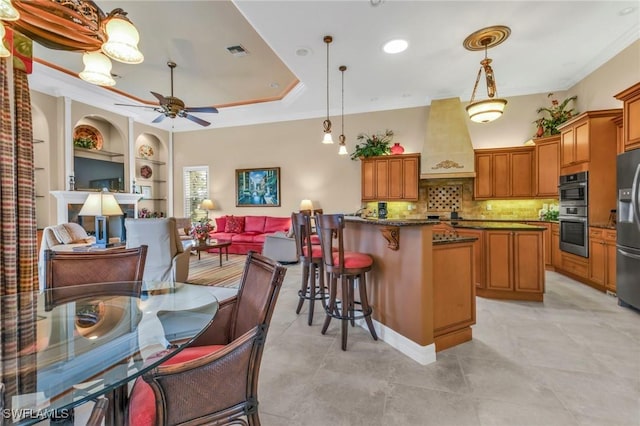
[{"x": 422, "y": 354}]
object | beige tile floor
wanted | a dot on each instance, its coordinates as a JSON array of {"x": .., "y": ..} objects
[{"x": 572, "y": 360}]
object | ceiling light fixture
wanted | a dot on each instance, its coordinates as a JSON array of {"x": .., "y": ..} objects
[
  {"x": 79, "y": 26},
  {"x": 7, "y": 11},
  {"x": 326, "y": 124},
  {"x": 4, "y": 52},
  {"x": 492, "y": 108},
  {"x": 97, "y": 69},
  {"x": 342, "y": 145},
  {"x": 395, "y": 46}
]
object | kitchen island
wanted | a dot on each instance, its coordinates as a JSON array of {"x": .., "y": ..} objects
[{"x": 418, "y": 308}]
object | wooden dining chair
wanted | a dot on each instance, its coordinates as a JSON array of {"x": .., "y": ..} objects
[
  {"x": 215, "y": 381},
  {"x": 64, "y": 271}
]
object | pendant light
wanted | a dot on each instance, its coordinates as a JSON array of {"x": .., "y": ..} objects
[
  {"x": 4, "y": 52},
  {"x": 343, "y": 147},
  {"x": 8, "y": 12},
  {"x": 492, "y": 108},
  {"x": 97, "y": 69},
  {"x": 327, "y": 123}
]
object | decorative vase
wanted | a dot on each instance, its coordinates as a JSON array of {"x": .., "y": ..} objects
[
  {"x": 397, "y": 149},
  {"x": 540, "y": 131},
  {"x": 202, "y": 241}
]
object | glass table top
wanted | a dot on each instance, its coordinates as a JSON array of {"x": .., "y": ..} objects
[{"x": 88, "y": 340}]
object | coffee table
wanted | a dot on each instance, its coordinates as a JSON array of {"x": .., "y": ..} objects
[{"x": 214, "y": 244}]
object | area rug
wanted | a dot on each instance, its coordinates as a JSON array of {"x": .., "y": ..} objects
[{"x": 207, "y": 270}]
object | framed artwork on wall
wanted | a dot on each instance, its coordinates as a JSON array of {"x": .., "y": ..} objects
[
  {"x": 258, "y": 187},
  {"x": 146, "y": 192}
]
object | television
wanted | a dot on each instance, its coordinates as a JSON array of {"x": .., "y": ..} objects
[{"x": 93, "y": 174}]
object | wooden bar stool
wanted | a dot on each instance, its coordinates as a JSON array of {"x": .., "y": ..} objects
[
  {"x": 310, "y": 255},
  {"x": 348, "y": 267}
]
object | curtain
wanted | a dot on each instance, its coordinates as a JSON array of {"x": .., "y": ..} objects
[{"x": 18, "y": 251}]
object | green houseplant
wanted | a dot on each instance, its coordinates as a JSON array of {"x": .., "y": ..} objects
[
  {"x": 557, "y": 115},
  {"x": 372, "y": 145},
  {"x": 87, "y": 143}
]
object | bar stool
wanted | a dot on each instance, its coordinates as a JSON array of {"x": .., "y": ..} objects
[
  {"x": 313, "y": 287},
  {"x": 348, "y": 267}
]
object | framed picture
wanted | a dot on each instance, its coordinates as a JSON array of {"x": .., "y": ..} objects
[
  {"x": 258, "y": 187},
  {"x": 146, "y": 192}
]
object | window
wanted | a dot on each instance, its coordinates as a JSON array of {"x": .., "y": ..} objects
[{"x": 196, "y": 189}]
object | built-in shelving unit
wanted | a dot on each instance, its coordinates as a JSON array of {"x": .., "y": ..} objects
[
  {"x": 148, "y": 160},
  {"x": 109, "y": 154}
]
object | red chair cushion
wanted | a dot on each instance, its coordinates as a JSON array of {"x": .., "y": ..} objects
[
  {"x": 353, "y": 260},
  {"x": 316, "y": 251},
  {"x": 315, "y": 239},
  {"x": 142, "y": 401},
  {"x": 234, "y": 224}
]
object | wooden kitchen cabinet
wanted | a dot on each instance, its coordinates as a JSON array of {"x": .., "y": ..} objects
[
  {"x": 546, "y": 241},
  {"x": 514, "y": 264},
  {"x": 556, "y": 253},
  {"x": 504, "y": 173},
  {"x": 478, "y": 258},
  {"x": 631, "y": 116},
  {"x": 602, "y": 258},
  {"x": 547, "y": 168},
  {"x": 391, "y": 178},
  {"x": 584, "y": 137}
]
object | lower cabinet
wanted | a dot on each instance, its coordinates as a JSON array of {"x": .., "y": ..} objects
[
  {"x": 602, "y": 258},
  {"x": 513, "y": 265},
  {"x": 478, "y": 259},
  {"x": 556, "y": 254}
]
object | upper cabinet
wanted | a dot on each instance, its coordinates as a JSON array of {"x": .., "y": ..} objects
[
  {"x": 391, "y": 178},
  {"x": 547, "y": 169},
  {"x": 631, "y": 117},
  {"x": 504, "y": 173},
  {"x": 584, "y": 137}
]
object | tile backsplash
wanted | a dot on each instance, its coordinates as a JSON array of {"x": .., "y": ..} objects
[{"x": 440, "y": 196}]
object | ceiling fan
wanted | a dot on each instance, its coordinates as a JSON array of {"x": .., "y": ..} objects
[{"x": 172, "y": 107}]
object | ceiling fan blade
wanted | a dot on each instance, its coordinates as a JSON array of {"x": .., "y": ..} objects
[
  {"x": 159, "y": 118},
  {"x": 195, "y": 119},
  {"x": 161, "y": 98},
  {"x": 137, "y": 106},
  {"x": 201, "y": 109}
]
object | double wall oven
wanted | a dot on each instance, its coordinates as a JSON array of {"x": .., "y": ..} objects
[{"x": 573, "y": 215}]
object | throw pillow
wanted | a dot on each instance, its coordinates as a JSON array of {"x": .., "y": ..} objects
[
  {"x": 76, "y": 233},
  {"x": 61, "y": 234},
  {"x": 221, "y": 223},
  {"x": 235, "y": 224}
]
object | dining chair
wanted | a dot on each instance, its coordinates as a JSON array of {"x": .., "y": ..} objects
[
  {"x": 73, "y": 269},
  {"x": 216, "y": 379}
]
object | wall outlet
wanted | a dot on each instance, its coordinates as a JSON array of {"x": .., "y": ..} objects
[{"x": 489, "y": 207}]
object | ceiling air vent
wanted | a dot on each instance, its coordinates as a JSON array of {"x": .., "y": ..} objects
[{"x": 237, "y": 50}]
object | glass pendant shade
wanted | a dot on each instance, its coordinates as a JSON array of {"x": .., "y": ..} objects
[
  {"x": 97, "y": 69},
  {"x": 8, "y": 12},
  {"x": 342, "y": 150},
  {"x": 4, "y": 52},
  {"x": 122, "y": 41},
  {"x": 327, "y": 138},
  {"x": 486, "y": 111}
]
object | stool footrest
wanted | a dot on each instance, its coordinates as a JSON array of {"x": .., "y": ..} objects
[{"x": 352, "y": 315}]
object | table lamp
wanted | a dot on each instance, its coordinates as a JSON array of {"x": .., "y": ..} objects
[
  {"x": 101, "y": 205},
  {"x": 306, "y": 205},
  {"x": 207, "y": 205}
]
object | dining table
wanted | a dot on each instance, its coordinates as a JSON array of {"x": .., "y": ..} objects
[{"x": 93, "y": 340}]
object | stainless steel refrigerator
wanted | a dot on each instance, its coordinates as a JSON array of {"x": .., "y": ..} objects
[{"x": 628, "y": 230}]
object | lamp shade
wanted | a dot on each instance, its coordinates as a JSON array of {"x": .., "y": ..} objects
[
  {"x": 487, "y": 110},
  {"x": 101, "y": 204},
  {"x": 122, "y": 41},
  {"x": 306, "y": 205},
  {"x": 97, "y": 69},
  {"x": 4, "y": 52},
  {"x": 8, "y": 12},
  {"x": 207, "y": 204}
]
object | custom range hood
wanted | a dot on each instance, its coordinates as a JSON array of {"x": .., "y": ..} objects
[{"x": 447, "y": 151}]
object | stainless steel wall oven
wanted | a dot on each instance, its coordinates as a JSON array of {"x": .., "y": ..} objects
[{"x": 573, "y": 217}]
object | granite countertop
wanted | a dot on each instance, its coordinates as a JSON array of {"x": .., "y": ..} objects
[
  {"x": 498, "y": 220},
  {"x": 481, "y": 224},
  {"x": 450, "y": 239},
  {"x": 392, "y": 222}
]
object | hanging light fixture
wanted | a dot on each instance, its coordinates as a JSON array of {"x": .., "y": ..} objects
[
  {"x": 493, "y": 107},
  {"x": 97, "y": 69},
  {"x": 78, "y": 26},
  {"x": 326, "y": 124},
  {"x": 343, "y": 146},
  {"x": 8, "y": 12}
]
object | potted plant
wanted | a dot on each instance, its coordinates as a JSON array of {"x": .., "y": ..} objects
[
  {"x": 373, "y": 145},
  {"x": 557, "y": 115},
  {"x": 84, "y": 142}
]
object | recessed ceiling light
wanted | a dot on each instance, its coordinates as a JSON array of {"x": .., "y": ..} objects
[
  {"x": 303, "y": 51},
  {"x": 626, "y": 11},
  {"x": 395, "y": 46},
  {"x": 274, "y": 85}
]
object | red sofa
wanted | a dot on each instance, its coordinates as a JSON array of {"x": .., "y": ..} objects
[{"x": 248, "y": 232}]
